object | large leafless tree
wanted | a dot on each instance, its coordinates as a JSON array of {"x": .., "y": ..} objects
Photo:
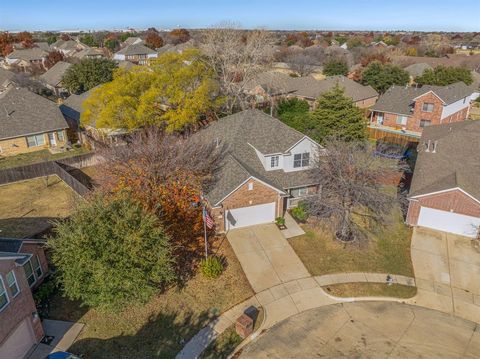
[
  {"x": 236, "y": 56},
  {"x": 352, "y": 187}
]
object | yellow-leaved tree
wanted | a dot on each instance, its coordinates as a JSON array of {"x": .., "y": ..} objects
[{"x": 173, "y": 92}]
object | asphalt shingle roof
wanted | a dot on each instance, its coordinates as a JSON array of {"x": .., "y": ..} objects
[
  {"x": 72, "y": 106},
  {"x": 5, "y": 77},
  {"x": 399, "y": 99},
  {"x": 35, "y": 53},
  {"x": 455, "y": 162},
  {"x": 23, "y": 112},
  {"x": 417, "y": 69},
  {"x": 136, "y": 49},
  {"x": 54, "y": 75},
  {"x": 239, "y": 132}
]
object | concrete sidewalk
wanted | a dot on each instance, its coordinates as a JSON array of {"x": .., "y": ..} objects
[{"x": 266, "y": 256}]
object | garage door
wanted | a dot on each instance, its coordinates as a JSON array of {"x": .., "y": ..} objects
[
  {"x": 249, "y": 216},
  {"x": 19, "y": 342},
  {"x": 449, "y": 222}
]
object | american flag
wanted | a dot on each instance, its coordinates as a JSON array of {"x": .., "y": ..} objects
[{"x": 208, "y": 220}]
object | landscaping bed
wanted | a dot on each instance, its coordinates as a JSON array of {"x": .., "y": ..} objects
[
  {"x": 387, "y": 249},
  {"x": 370, "y": 290},
  {"x": 161, "y": 327},
  {"x": 28, "y": 207}
]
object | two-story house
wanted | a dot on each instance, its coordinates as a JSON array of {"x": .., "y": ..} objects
[
  {"x": 265, "y": 170},
  {"x": 407, "y": 110},
  {"x": 23, "y": 267},
  {"x": 136, "y": 53}
]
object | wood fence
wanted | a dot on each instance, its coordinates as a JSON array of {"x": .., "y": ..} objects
[{"x": 392, "y": 137}]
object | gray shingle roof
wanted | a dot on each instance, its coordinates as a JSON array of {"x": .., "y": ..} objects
[
  {"x": 5, "y": 77},
  {"x": 54, "y": 75},
  {"x": 35, "y": 53},
  {"x": 417, "y": 69},
  {"x": 10, "y": 247},
  {"x": 88, "y": 52},
  {"x": 455, "y": 162},
  {"x": 399, "y": 99},
  {"x": 136, "y": 49},
  {"x": 72, "y": 106},
  {"x": 311, "y": 88},
  {"x": 43, "y": 45},
  {"x": 272, "y": 82},
  {"x": 241, "y": 131},
  {"x": 23, "y": 112},
  {"x": 130, "y": 40}
]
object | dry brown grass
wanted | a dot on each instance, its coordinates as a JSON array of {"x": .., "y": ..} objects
[
  {"x": 370, "y": 290},
  {"x": 28, "y": 207},
  {"x": 160, "y": 328}
]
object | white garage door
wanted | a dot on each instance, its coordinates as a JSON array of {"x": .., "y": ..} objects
[
  {"x": 449, "y": 222},
  {"x": 19, "y": 342},
  {"x": 249, "y": 216}
]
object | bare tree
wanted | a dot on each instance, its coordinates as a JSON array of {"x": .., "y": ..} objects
[
  {"x": 351, "y": 180},
  {"x": 237, "y": 57},
  {"x": 302, "y": 63}
]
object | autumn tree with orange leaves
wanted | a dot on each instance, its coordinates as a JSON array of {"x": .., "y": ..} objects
[{"x": 167, "y": 174}]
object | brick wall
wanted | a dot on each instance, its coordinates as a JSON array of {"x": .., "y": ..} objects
[
  {"x": 455, "y": 201},
  {"x": 457, "y": 116},
  {"x": 21, "y": 307},
  {"x": 243, "y": 197},
  {"x": 15, "y": 146}
]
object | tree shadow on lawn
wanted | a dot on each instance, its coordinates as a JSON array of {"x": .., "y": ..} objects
[{"x": 163, "y": 336}]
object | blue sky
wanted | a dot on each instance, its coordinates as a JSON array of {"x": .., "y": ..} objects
[{"x": 447, "y": 15}]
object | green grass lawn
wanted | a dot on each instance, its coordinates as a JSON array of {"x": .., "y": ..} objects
[
  {"x": 371, "y": 289},
  {"x": 39, "y": 156},
  {"x": 160, "y": 328},
  {"x": 386, "y": 251},
  {"x": 28, "y": 207}
]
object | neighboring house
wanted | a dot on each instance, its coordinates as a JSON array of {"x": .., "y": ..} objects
[
  {"x": 68, "y": 48},
  {"x": 29, "y": 122},
  {"x": 310, "y": 89},
  {"x": 179, "y": 48},
  {"x": 445, "y": 190},
  {"x": 53, "y": 77},
  {"x": 26, "y": 58},
  {"x": 264, "y": 172},
  {"x": 6, "y": 78},
  {"x": 408, "y": 110},
  {"x": 132, "y": 40},
  {"x": 136, "y": 53},
  {"x": 268, "y": 85},
  {"x": 44, "y": 46},
  {"x": 418, "y": 69},
  {"x": 471, "y": 62},
  {"x": 23, "y": 267},
  {"x": 89, "y": 53}
]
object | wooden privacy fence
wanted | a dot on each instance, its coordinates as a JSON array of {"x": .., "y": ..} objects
[{"x": 59, "y": 168}]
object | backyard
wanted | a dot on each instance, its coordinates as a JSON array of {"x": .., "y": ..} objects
[
  {"x": 160, "y": 328},
  {"x": 28, "y": 207}
]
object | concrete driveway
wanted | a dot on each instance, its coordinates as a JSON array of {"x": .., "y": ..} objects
[
  {"x": 266, "y": 257},
  {"x": 447, "y": 272},
  {"x": 368, "y": 330}
]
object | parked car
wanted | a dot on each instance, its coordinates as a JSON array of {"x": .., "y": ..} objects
[{"x": 62, "y": 355}]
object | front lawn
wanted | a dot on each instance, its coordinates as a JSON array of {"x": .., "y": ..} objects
[
  {"x": 386, "y": 251},
  {"x": 29, "y": 207},
  {"x": 39, "y": 156},
  {"x": 160, "y": 328},
  {"x": 371, "y": 289}
]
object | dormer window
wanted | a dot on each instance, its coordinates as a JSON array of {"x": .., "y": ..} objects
[
  {"x": 301, "y": 160},
  {"x": 274, "y": 161}
]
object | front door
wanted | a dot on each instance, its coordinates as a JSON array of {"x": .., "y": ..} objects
[
  {"x": 380, "y": 118},
  {"x": 51, "y": 139}
]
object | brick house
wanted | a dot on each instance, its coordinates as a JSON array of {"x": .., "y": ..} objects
[
  {"x": 23, "y": 267},
  {"x": 265, "y": 170},
  {"x": 136, "y": 53},
  {"x": 445, "y": 190},
  {"x": 29, "y": 122},
  {"x": 408, "y": 110}
]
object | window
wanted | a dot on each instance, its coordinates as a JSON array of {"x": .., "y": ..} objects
[
  {"x": 36, "y": 266},
  {"x": 3, "y": 295},
  {"x": 60, "y": 136},
  {"x": 27, "y": 267},
  {"x": 402, "y": 120},
  {"x": 427, "y": 107},
  {"x": 274, "y": 161},
  {"x": 301, "y": 160},
  {"x": 425, "y": 123},
  {"x": 35, "y": 140},
  {"x": 250, "y": 186},
  {"x": 299, "y": 192},
  {"x": 12, "y": 283}
]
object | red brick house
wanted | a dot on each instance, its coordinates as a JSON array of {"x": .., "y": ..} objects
[
  {"x": 445, "y": 190},
  {"x": 408, "y": 110},
  {"x": 23, "y": 267},
  {"x": 265, "y": 169}
]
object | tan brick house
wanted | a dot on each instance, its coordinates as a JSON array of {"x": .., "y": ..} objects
[
  {"x": 29, "y": 122},
  {"x": 23, "y": 267},
  {"x": 445, "y": 190},
  {"x": 265, "y": 170},
  {"x": 408, "y": 110}
]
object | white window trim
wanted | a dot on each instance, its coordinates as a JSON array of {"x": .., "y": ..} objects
[
  {"x": 401, "y": 120},
  {"x": 274, "y": 161},
  {"x": 16, "y": 283},
  {"x": 250, "y": 186},
  {"x": 2, "y": 285},
  {"x": 33, "y": 273},
  {"x": 301, "y": 159}
]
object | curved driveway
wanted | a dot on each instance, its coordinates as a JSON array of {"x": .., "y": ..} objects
[{"x": 368, "y": 330}]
